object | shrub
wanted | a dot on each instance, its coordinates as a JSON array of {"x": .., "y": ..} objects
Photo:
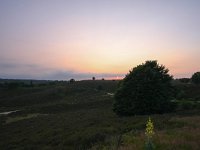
[
  {"x": 146, "y": 89},
  {"x": 196, "y": 78},
  {"x": 71, "y": 81}
]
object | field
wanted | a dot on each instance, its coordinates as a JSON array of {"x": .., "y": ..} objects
[{"x": 78, "y": 116}]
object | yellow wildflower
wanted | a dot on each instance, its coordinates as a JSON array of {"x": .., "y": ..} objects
[{"x": 149, "y": 128}]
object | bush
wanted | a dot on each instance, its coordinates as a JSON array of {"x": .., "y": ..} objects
[
  {"x": 196, "y": 78},
  {"x": 146, "y": 89},
  {"x": 71, "y": 81}
]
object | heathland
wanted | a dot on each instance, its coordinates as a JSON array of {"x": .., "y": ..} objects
[{"x": 79, "y": 115}]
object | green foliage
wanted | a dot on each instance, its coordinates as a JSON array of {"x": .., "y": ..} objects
[
  {"x": 196, "y": 78},
  {"x": 146, "y": 89}
]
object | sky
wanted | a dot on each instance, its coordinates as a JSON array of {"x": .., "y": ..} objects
[{"x": 63, "y": 39}]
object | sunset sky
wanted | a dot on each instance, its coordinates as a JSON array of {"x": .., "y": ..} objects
[{"x": 63, "y": 39}]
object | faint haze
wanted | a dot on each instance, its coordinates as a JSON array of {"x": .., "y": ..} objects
[
  {"x": 38, "y": 72},
  {"x": 48, "y": 39}
]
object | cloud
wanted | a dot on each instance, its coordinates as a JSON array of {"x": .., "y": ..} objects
[
  {"x": 33, "y": 71},
  {"x": 66, "y": 75}
]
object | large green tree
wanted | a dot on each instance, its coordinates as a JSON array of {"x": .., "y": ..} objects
[
  {"x": 146, "y": 89},
  {"x": 196, "y": 78}
]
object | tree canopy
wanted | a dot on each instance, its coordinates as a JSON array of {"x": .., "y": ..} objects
[
  {"x": 146, "y": 89},
  {"x": 196, "y": 78}
]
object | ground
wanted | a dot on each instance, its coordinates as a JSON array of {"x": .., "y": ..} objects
[{"x": 79, "y": 116}]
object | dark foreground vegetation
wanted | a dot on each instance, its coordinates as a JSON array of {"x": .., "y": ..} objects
[
  {"x": 79, "y": 116},
  {"x": 147, "y": 89}
]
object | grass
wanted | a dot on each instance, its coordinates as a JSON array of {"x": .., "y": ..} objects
[
  {"x": 19, "y": 118},
  {"x": 185, "y": 137},
  {"x": 79, "y": 116}
]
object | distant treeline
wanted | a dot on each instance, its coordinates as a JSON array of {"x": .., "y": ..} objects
[
  {"x": 15, "y": 83},
  {"x": 184, "y": 80}
]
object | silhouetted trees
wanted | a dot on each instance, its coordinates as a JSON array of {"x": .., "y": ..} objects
[
  {"x": 146, "y": 89},
  {"x": 196, "y": 78},
  {"x": 93, "y": 78},
  {"x": 71, "y": 81},
  {"x": 184, "y": 80}
]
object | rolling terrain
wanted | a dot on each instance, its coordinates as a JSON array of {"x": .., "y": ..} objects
[{"x": 78, "y": 116}]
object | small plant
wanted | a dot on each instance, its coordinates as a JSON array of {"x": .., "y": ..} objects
[{"x": 149, "y": 134}]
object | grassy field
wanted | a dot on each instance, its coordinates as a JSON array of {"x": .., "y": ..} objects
[{"x": 79, "y": 116}]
